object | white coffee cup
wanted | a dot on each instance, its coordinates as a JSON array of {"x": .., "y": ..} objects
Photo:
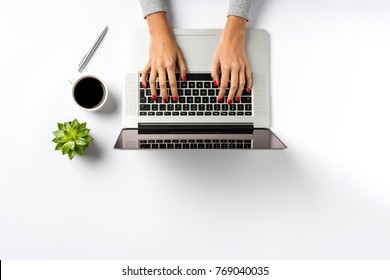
[{"x": 89, "y": 92}]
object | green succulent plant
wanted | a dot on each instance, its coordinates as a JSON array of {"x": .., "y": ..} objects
[{"x": 72, "y": 138}]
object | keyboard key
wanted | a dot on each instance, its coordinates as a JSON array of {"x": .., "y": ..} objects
[
  {"x": 144, "y": 107},
  {"x": 246, "y": 99},
  {"x": 144, "y": 146},
  {"x": 199, "y": 84}
]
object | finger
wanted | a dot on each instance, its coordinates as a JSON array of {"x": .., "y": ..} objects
[
  {"x": 241, "y": 84},
  {"x": 249, "y": 78},
  {"x": 223, "y": 84},
  {"x": 182, "y": 67},
  {"x": 162, "y": 80},
  {"x": 173, "y": 83},
  {"x": 215, "y": 72},
  {"x": 152, "y": 83},
  {"x": 233, "y": 84},
  {"x": 145, "y": 74}
]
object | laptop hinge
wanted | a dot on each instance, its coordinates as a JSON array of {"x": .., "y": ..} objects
[{"x": 170, "y": 128}]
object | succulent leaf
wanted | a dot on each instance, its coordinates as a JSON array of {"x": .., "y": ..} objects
[
  {"x": 65, "y": 149},
  {"x": 71, "y": 144},
  {"x": 79, "y": 150},
  {"x": 74, "y": 130},
  {"x": 67, "y": 134},
  {"x": 82, "y": 126},
  {"x": 58, "y": 133},
  {"x": 67, "y": 126},
  {"x": 71, "y": 154},
  {"x": 75, "y": 123},
  {"x": 81, "y": 142},
  {"x": 61, "y": 139},
  {"x": 88, "y": 138},
  {"x": 82, "y": 133},
  {"x": 59, "y": 146},
  {"x": 60, "y": 126}
]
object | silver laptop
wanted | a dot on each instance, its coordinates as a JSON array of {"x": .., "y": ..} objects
[{"x": 197, "y": 120}]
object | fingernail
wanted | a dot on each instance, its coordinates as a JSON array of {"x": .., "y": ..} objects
[
  {"x": 248, "y": 89},
  {"x": 175, "y": 98},
  {"x": 237, "y": 99},
  {"x": 215, "y": 83},
  {"x": 154, "y": 97},
  {"x": 220, "y": 99},
  {"x": 185, "y": 78},
  {"x": 143, "y": 85},
  {"x": 165, "y": 100},
  {"x": 229, "y": 101}
]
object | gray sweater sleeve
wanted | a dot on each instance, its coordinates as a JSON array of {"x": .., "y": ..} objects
[
  {"x": 153, "y": 6},
  {"x": 240, "y": 8}
]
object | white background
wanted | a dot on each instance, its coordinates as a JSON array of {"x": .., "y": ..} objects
[{"x": 326, "y": 197}]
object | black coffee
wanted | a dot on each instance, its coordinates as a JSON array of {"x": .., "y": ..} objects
[{"x": 89, "y": 92}]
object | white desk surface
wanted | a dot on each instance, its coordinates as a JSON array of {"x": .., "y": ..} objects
[{"x": 326, "y": 197}]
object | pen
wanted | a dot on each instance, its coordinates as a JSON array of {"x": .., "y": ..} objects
[{"x": 89, "y": 54}]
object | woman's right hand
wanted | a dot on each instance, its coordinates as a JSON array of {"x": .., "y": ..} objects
[{"x": 164, "y": 56}]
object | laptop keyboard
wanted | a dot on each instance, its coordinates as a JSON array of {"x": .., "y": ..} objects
[
  {"x": 196, "y": 144},
  {"x": 196, "y": 97}
]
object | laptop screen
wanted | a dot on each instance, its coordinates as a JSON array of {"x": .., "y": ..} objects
[{"x": 209, "y": 139}]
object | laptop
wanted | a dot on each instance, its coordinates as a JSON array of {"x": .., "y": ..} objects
[{"x": 197, "y": 120}]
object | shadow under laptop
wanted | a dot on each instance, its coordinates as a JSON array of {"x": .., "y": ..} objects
[{"x": 226, "y": 170}]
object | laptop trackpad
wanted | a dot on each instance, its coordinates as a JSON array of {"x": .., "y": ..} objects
[{"x": 198, "y": 50}]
